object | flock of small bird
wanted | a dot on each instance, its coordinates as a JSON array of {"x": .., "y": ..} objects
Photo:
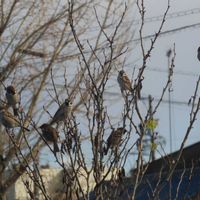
[{"x": 49, "y": 133}]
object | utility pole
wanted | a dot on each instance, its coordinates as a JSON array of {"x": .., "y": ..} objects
[{"x": 168, "y": 54}]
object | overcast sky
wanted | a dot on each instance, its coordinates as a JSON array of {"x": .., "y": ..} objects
[
  {"x": 187, "y": 67},
  {"x": 186, "y": 72}
]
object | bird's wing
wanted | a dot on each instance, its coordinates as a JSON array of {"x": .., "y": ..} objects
[
  {"x": 52, "y": 130},
  {"x": 126, "y": 80},
  {"x": 110, "y": 138},
  {"x": 60, "y": 111},
  {"x": 54, "y": 133},
  {"x": 9, "y": 115}
]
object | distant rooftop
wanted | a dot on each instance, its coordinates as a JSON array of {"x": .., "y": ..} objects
[
  {"x": 184, "y": 183},
  {"x": 190, "y": 158}
]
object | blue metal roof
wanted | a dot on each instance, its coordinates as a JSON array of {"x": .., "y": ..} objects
[{"x": 184, "y": 184}]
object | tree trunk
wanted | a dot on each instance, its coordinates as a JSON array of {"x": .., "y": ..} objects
[{"x": 2, "y": 194}]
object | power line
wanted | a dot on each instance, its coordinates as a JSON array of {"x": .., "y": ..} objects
[
  {"x": 197, "y": 25},
  {"x": 176, "y": 102},
  {"x": 163, "y": 33},
  {"x": 143, "y": 98},
  {"x": 156, "y": 69},
  {"x": 149, "y": 19},
  {"x": 171, "y": 15}
]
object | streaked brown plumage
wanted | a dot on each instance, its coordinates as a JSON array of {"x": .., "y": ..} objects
[
  {"x": 3, "y": 105},
  {"x": 9, "y": 120},
  {"x": 12, "y": 98},
  {"x": 63, "y": 112},
  {"x": 124, "y": 82},
  {"x": 51, "y": 135},
  {"x": 115, "y": 139}
]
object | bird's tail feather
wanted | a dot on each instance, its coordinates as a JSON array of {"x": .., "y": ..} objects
[
  {"x": 15, "y": 111},
  {"x": 55, "y": 147}
]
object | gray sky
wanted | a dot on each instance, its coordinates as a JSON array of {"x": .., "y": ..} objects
[
  {"x": 186, "y": 72},
  {"x": 187, "y": 68},
  {"x": 186, "y": 42}
]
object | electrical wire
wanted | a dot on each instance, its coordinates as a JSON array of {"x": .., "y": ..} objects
[
  {"x": 171, "y": 15},
  {"x": 156, "y": 69},
  {"x": 196, "y": 25}
]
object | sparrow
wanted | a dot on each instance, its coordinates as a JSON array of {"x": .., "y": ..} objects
[
  {"x": 9, "y": 120},
  {"x": 198, "y": 53},
  {"x": 124, "y": 82},
  {"x": 63, "y": 112},
  {"x": 51, "y": 135},
  {"x": 115, "y": 139},
  {"x": 13, "y": 98}
]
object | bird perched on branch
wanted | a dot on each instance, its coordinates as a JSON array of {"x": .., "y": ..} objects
[
  {"x": 124, "y": 82},
  {"x": 51, "y": 135},
  {"x": 198, "y": 53},
  {"x": 63, "y": 112},
  {"x": 13, "y": 98},
  {"x": 10, "y": 121},
  {"x": 115, "y": 139}
]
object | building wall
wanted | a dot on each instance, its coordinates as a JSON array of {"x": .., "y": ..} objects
[{"x": 53, "y": 181}]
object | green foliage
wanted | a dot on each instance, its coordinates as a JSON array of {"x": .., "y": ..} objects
[{"x": 151, "y": 124}]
